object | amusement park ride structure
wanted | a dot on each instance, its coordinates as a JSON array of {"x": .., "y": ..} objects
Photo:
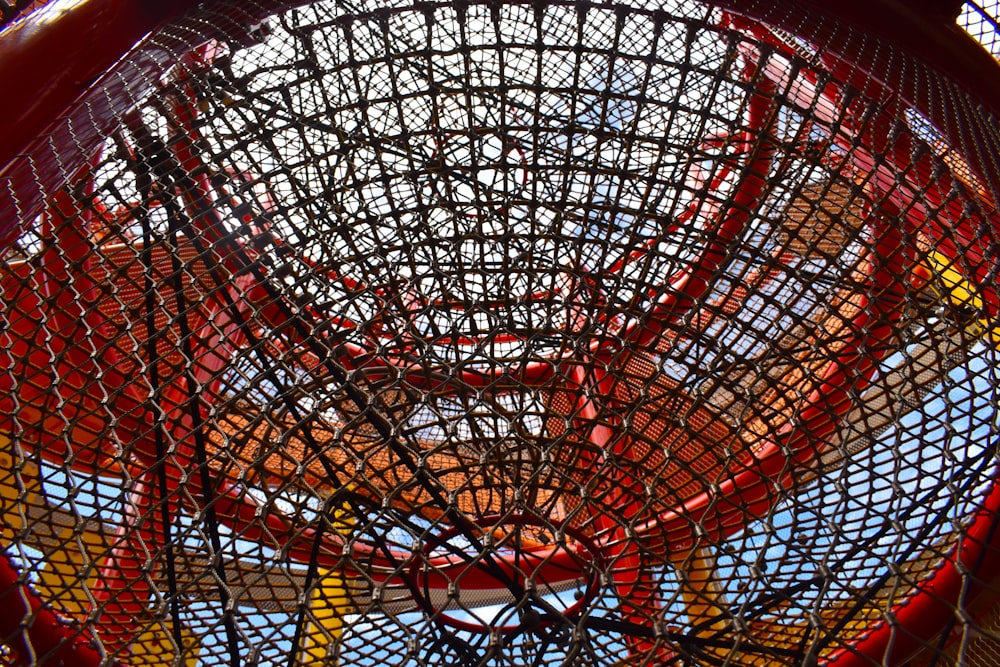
[{"x": 498, "y": 333}]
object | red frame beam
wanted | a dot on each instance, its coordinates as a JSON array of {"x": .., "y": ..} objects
[
  {"x": 33, "y": 630},
  {"x": 59, "y": 50},
  {"x": 57, "y": 53}
]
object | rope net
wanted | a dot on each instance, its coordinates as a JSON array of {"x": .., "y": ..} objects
[{"x": 487, "y": 334}]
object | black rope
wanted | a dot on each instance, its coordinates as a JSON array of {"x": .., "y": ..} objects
[
  {"x": 144, "y": 185},
  {"x": 153, "y": 157},
  {"x": 170, "y": 173}
]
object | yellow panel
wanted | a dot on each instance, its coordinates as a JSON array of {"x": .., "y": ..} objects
[
  {"x": 963, "y": 294},
  {"x": 69, "y": 570},
  {"x": 72, "y": 554},
  {"x": 19, "y": 488},
  {"x": 703, "y": 595},
  {"x": 328, "y": 604}
]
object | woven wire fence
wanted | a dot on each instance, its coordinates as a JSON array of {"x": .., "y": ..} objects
[
  {"x": 980, "y": 20},
  {"x": 490, "y": 334}
]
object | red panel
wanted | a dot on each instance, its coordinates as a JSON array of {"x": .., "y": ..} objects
[
  {"x": 57, "y": 52},
  {"x": 45, "y": 638}
]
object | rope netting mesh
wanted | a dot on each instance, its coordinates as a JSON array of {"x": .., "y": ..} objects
[{"x": 502, "y": 334}]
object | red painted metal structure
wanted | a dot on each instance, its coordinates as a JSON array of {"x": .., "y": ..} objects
[{"x": 93, "y": 36}]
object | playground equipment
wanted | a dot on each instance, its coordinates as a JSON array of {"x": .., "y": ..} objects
[{"x": 498, "y": 333}]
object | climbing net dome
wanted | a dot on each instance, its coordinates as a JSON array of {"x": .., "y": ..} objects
[{"x": 503, "y": 334}]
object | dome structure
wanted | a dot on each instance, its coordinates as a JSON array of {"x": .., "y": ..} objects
[{"x": 499, "y": 333}]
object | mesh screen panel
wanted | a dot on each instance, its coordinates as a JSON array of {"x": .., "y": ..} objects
[
  {"x": 979, "y": 19},
  {"x": 502, "y": 334}
]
